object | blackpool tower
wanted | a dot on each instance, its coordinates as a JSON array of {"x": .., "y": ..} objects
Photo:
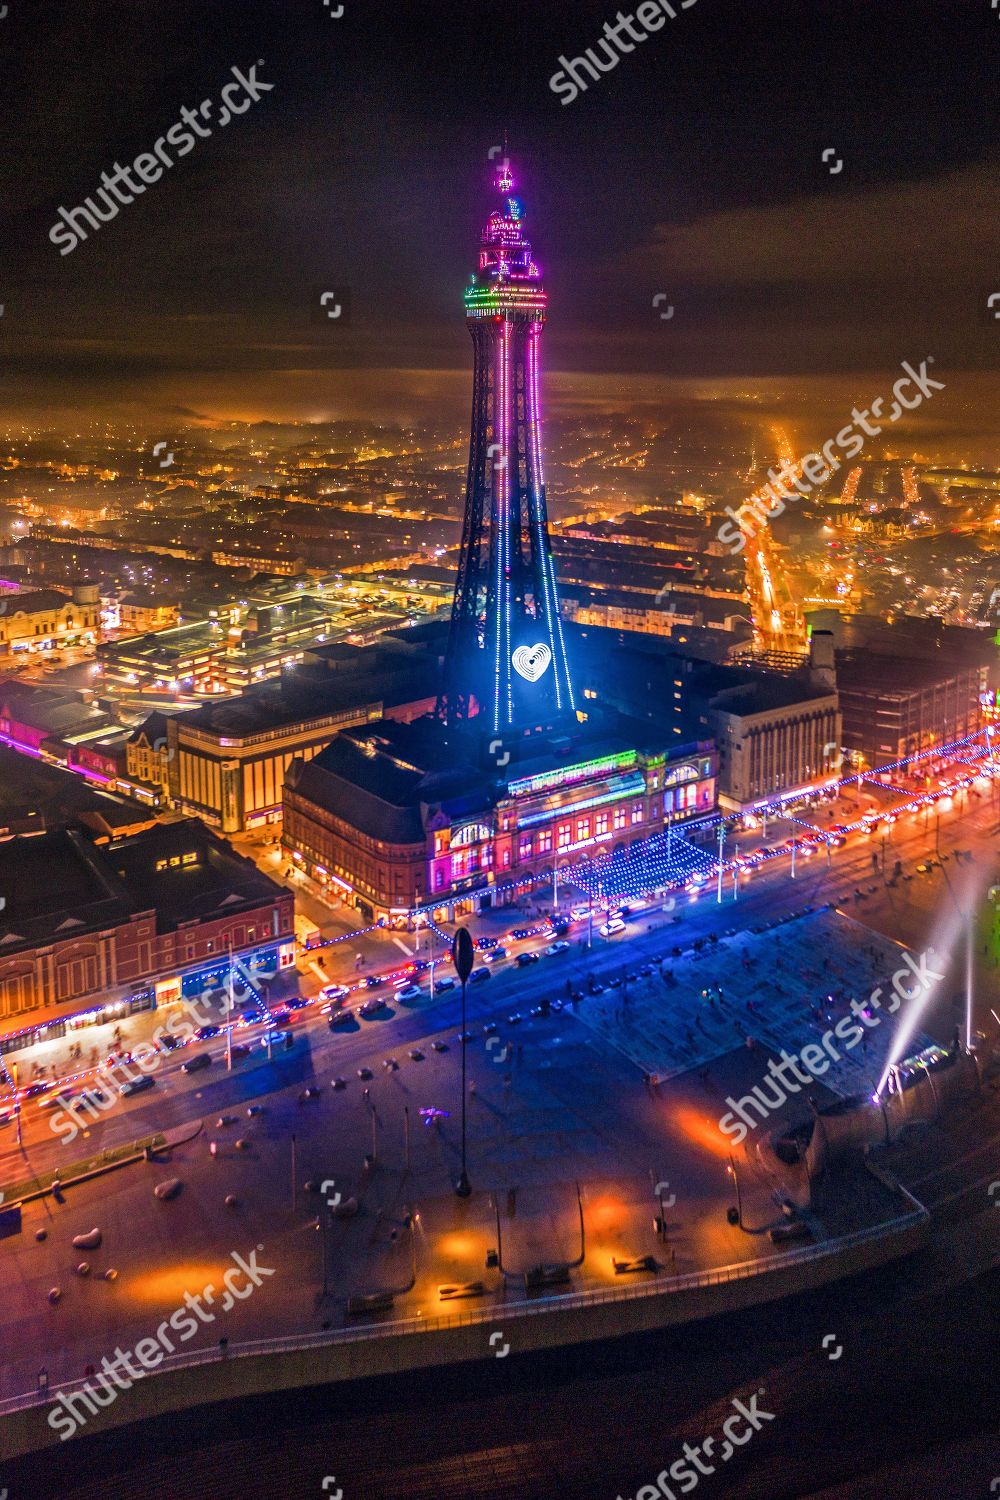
[{"x": 505, "y": 666}]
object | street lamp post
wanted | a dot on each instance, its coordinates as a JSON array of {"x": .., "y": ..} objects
[
  {"x": 463, "y": 956},
  {"x": 229, "y": 1013},
  {"x": 739, "y": 1198}
]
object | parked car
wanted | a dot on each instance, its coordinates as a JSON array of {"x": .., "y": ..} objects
[
  {"x": 439, "y": 1046},
  {"x": 495, "y": 955},
  {"x": 372, "y": 1007},
  {"x": 478, "y": 975},
  {"x": 524, "y": 959},
  {"x": 365, "y": 1074},
  {"x": 276, "y": 1038},
  {"x": 194, "y": 1064},
  {"x": 416, "y": 1054},
  {"x": 138, "y": 1085},
  {"x": 333, "y": 994},
  {"x": 555, "y": 948},
  {"x": 446, "y": 982},
  {"x": 340, "y": 1018},
  {"x": 409, "y": 992},
  {"x": 612, "y": 928}
]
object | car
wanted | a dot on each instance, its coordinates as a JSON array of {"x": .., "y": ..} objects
[
  {"x": 332, "y": 994},
  {"x": 296, "y": 1002},
  {"x": 138, "y": 1085},
  {"x": 205, "y": 1032},
  {"x": 645, "y": 970},
  {"x": 372, "y": 1007},
  {"x": 168, "y": 1042},
  {"x": 276, "y": 1038},
  {"x": 597, "y": 989},
  {"x": 34, "y": 1089},
  {"x": 484, "y": 943},
  {"x": 610, "y": 929},
  {"x": 340, "y": 1018},
  {"x": 416, "y": 1054},
  {"x": 523, "y": 959},
  {"x": 439, "y": 1046},
  {"x": 580, "y": 913},
  {"x": 240, "y": 1049},
  {"x": 555, "y": 948},
  {"x": 515, "y": 1018},
  {"x": 542, "y": 1009},
  {"x": 372, "y": 981},
  {"x": 557, "y": 1005},
  {"x": 8, "y": 1115},
  {"x": 490, "y": 1029},
  {"x": 390, "y": 1064},
  {"x": 616, "y": 983},
  {"x": 478, "y": 975},
  {"x": 466, "y": 1036},
  {"x": 280, "y": 1012},
  {"x": 365, "y": 1074},
  {"x": 446, "y": 982},
  {"x": 495, "y": 955},
  {"x": 408, "y": 992},
  {"x": 195, "y": 1064},
  {"x": 339, "y": 1083},
  {"x": 521, "y": 932}
]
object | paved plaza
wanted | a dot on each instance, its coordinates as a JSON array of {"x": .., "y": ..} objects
[{"x": 782, "y": 988}]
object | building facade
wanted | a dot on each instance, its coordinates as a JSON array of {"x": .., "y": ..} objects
[
  {"x": 368, "y": 820},
  {"x": 91, "y": 931},
  {"x": 43, "y": 619}
]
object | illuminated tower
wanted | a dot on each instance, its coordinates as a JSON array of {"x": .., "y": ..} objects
[{"x": 506, "y": 658}]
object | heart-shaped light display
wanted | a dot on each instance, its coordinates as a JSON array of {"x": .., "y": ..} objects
[{"x": 531, "y": 662}]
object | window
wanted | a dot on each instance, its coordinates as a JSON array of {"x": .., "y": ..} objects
[
  {"x": 562, "y": 836},
  {"x": 636, "y": 812},
  {"x": 524, "y": 851},
  {"x": 583, "y": 828},
  {"x": 601, "y": 824},
  {"x": 619, "y": 819},
  {"x": 545, "y": 841}
]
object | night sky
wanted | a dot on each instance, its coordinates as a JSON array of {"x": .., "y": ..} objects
[{"x": 694, "y": 168}]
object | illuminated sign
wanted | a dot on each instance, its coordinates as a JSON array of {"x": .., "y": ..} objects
[
  {"x": 531, "y": 662},
  {"x": 547, "y": 780},
  {"x": 168, "y": 991}
]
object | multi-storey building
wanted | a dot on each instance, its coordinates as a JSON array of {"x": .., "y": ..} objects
[
  {"x": 88, "y": 931},
  {"x": 381, "y": 819},
  {"x": 39, "y": 619}
]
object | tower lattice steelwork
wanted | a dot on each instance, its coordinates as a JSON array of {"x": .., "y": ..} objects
[{"x": 506, "y": 657}]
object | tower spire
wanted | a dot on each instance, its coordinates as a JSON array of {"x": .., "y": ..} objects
[{"x": 506, "y": 656}]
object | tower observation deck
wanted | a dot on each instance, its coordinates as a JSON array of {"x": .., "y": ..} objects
[{"x": 505, "y": 664}]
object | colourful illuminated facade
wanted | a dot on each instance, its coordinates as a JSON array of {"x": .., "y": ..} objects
[{"x": 506, "y": 660}]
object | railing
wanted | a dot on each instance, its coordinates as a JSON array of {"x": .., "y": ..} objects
[{"x": 692, "y": 1281}]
